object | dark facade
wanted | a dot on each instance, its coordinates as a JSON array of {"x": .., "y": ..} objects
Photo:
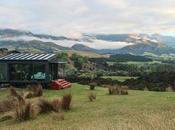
[{"x": 29, "y": 68}]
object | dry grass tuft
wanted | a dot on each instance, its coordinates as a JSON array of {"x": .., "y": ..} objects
[
  {"x": 169, "y": 89},
  {"x": 146, "y": 89},
  {"x": 57, "y": 116},
  {"x": 118, "y": 90},
  {"x": 66, "y": 101},
  {"x": 124, "y": 90},
  {"x": 28, "y": 95},
  {"x": 7, "y": 116},
  {"x": 92, "y": 96},
  {"x": 45, "y": 106},
  {"x": 37, "y": 90},
  {"x": 14, "y": 93},
  {"x": 92, "y": 85},
  {"x": 8, "y": 104},
  {"x": 57, "y": 103},
  {"x": 24, "y": 112}
]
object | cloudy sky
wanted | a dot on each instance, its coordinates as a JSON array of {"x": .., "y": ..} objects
[{"x": 73, "y": 17}]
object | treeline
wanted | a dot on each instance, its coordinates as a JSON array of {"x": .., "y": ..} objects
[
  {"x": 122, "y": 58},
  {"x": 157, "y": 81}
]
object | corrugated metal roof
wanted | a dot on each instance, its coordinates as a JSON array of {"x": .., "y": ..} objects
[{"x": 27, "y": 56}]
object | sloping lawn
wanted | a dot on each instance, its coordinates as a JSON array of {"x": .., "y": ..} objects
[
  {"x": 119, "y": 78},
  {"x": 139, "y": 110}
]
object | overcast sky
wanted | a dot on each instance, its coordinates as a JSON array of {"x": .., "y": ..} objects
[{"x": 73, "y": 17}]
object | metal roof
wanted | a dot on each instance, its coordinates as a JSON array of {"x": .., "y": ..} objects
[{"x": 28, "y": 56}]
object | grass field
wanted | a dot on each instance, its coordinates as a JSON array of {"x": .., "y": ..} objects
[
  {"x": 140, "y": 110},
  {"x": 119, "y": 78}
]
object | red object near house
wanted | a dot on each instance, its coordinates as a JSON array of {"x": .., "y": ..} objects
[{"x": 59, "y": 84}]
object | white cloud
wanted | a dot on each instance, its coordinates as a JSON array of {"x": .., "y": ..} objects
[{"x": 73, "y": 17}]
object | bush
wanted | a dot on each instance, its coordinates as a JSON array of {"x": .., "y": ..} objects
[
  {"x": 92, "y": 85},
  {"x": 66, "y": 101},
  {"x": 92, "y": 96}
]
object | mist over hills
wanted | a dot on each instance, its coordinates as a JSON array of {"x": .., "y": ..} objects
[{"x": 136, "y": 44}]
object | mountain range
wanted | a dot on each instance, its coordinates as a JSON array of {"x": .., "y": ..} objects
[{"x": 136, "y": 44}]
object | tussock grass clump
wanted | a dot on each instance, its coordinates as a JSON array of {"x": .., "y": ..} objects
[
  {"x": 92, "y": 85},
  {"x": 57, "y": 116},
  {"x": 91, "y": 96},
  {"x": 28, "y": 95},
  {"x": 56, "y": 104},
  {"x": 14, "y": 93},
  {"x": 8, "y": 104},
  {"x": 169, "y": 89},
  {"x": 66, "y": 101},
  {"x": 7, "y": 116},
  {"x": 45, "y": 106},
  {"x": 146, "y": 89},
  {"x": 124, "y": 90},
  {"x": 37, "y": 90},
  {"x": 24, "y": 112},
  {"x": 118, "y": 90}
]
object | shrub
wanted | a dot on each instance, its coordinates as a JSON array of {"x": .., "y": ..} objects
[
  {"x": 57, "y": 103},
  {"x": 66, "y": 101},
  {"x": 92, "y": 96},
  {"x": 24, "y": 112},
  {"x": 45, "y": 106},
  {"x": 92, "y": 85},
  {"x": 124, "y": 90}
]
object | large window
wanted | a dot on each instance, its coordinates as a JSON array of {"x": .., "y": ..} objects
[
  {"x": 3, "y": 69},
  {"x": 27, "y": 72},
  {"x": 39, "y": 72},
  {"x": 20, "y": 71},
  {"x": 53, "y": 71}
]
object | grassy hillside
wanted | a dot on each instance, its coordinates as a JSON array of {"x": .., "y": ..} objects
[
  {"x": 87, "y": 54},
  {"x": 139, "y": 110}
]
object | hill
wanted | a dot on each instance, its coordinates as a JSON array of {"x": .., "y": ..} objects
[{"x": 137, "y": 44}]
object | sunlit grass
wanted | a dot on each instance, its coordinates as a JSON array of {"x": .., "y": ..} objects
[{"x": 137, "y": 111}]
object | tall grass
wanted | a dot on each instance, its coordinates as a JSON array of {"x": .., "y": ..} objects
[{"x": 66, "y": 101}]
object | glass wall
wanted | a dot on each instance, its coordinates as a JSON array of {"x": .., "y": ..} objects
[
  {"x": 3, "y": 70},
  {"x": 27, "y": 72},
  {"x": 20, "y": 71},
  {"x": 39, "y": 72},
  {"x": 53, "y": 71}
]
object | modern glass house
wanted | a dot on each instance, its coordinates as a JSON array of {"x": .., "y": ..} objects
[{"x": 26, "y": 68}]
